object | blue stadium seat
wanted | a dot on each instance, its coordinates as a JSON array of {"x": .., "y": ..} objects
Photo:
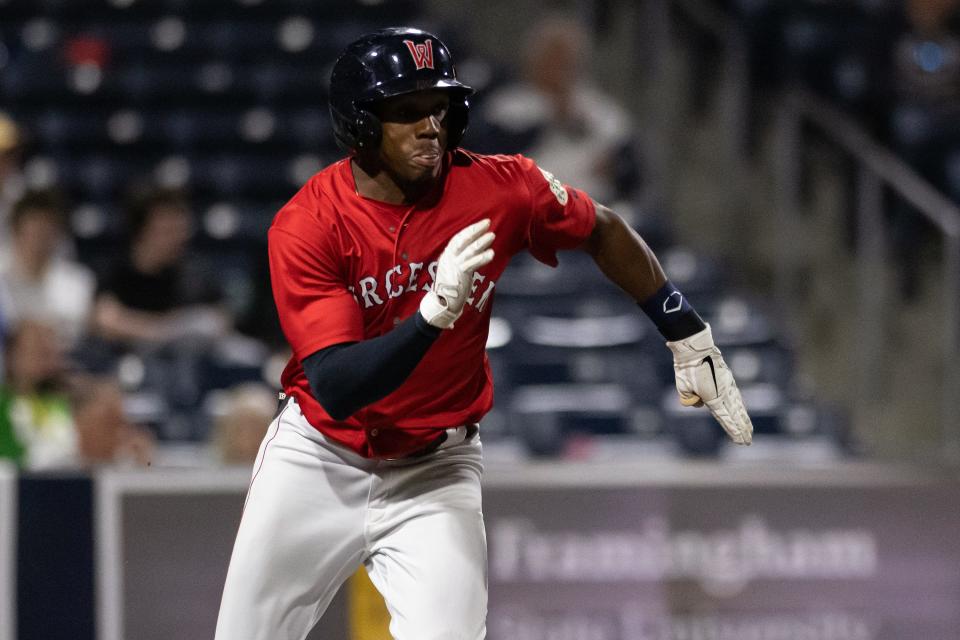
[
  {"x": 142, "y": 83},
  {"x": 233, "y": 175},
  {"x": 737, "y": 321},
  {"x": 697, "y": 276},
  {"x": 102, "y": 176},
  {"x": 33, "y": 78},
  {"x": 278, "y": 83},
  {"x": 542, "y": 416},
  {"x": 696, "y": 433},
  {"x": 527, "y": 278},
  {"x": 768, "y": 363},
  {"x": 236, "y": 222},
  {"x": 306, "y": 129},
  {"x": 202, "y": 130}
]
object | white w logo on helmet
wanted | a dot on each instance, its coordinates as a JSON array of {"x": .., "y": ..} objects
[{"x": 422, "y": 53}]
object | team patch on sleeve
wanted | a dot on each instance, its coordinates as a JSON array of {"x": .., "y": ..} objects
[{"x": 556, "y": 187}]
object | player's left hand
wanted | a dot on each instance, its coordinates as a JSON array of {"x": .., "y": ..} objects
[
  {"x": 466, "y": 252},
  {"x": 703, "y": 378}
]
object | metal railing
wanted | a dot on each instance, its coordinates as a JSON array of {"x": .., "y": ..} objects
[{"x": 876, "y": 169}]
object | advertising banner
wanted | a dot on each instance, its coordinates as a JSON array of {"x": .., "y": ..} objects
[
  {"x": 570, "y": 558},
  {"x": 729, "y": 563}
]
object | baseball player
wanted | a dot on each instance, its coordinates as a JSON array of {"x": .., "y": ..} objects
[{"x": 384, "y": 267}]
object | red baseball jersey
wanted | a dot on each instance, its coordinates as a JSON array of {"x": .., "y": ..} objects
[{"x": 345, "y": 268}]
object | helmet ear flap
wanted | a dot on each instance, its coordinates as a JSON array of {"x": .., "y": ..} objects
[
  {"x": 457, "y": 119},
  {"x": 369, "y": 131}
]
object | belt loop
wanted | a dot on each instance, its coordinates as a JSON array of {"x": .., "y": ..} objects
[{"x": 281, "y": 401}]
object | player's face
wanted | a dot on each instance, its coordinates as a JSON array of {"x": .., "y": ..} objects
[{"x": 414, "y": 134}]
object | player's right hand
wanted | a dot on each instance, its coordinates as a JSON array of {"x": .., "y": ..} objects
[
  {"x": 466, "y": 252},
  {"x": 703, "y": 378}
]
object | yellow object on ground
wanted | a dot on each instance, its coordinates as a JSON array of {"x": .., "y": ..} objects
[{"x": 368, "y": 615}]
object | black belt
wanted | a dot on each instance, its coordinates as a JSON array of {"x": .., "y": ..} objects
[{"x": 472, "y": 430}]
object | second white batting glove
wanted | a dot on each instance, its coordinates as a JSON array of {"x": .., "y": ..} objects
[
  {"x": 703, "y": 378},
  {"x": 466, "y": 252}
]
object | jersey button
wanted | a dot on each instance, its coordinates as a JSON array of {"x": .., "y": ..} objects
[
  {"x": 374, "y": 433},
  {"x": 404, "y": 255},
  {"x": 392, "y": 228},
  {"x": 396, "y": 320}
]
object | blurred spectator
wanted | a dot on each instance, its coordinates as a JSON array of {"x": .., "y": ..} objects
[
  {"x": 11, "y": 177},
  {"x": 239, "y": 429},
  {"x": 36, "y": 427},
  {"x": 926, "y": 116},
  {"x": 38, "y": 281},
  {"x": 575, "y": 131},
  {"x": 153, "y": 293},
  {"x": 260, "y": 321},
  {"x": 926, "y": 85},
  {"x": 104, "y": 433},
  {"x": 927, "y": 57}
]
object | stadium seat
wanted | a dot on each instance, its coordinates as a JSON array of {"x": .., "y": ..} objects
[
  {"x": 698, "y": 276},
  {"x": 544, "y": 415},
  {"x": 736, "y": 321},
  {"x": 528, "y": 278},
  {"x": 767, "y": 363}
]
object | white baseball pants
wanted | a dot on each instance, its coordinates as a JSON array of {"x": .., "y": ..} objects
[{"x": 316, "y": 510}]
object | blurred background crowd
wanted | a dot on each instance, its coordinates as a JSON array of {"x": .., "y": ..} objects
[{"x": 146, "y": 144}]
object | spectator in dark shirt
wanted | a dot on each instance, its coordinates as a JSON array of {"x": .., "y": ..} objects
[{"x": 154, "y": 294}]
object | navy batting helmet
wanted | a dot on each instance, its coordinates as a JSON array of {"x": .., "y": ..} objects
[{"x": 387, "y": 63}]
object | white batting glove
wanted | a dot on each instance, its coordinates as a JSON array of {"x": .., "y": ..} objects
[
  {"x": 466, "y": 252},
  {"x": 703, "y": 378}
]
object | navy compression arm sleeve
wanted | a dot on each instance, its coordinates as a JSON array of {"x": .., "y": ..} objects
[{"x": 347, "y": 377}]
